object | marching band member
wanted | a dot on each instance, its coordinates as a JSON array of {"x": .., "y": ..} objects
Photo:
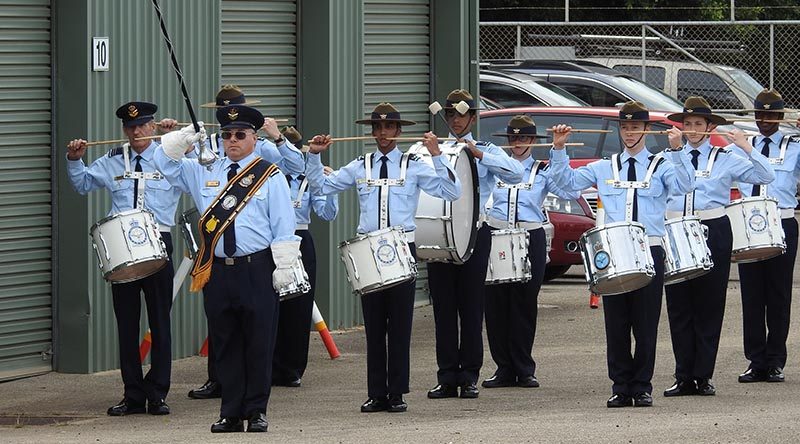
[
  {"x": 282, "y": 153},
  {"x": 291, "y": 345},
  {"x": 511, "y": 308},
  {"x": 766, "y": 285},
  {"x": 159, "y": 197},
  {"x": 247, "y": 252},
  {"x": 387, "y": 313},
  {"x": 457, "y": 291},
  {"x": 695, "y": 307},
  {"x": 636, "y": 311}
]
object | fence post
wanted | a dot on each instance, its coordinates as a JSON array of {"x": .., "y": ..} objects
[
  {"x": 644, "y": 54},
  {"x": 771, "y": 56},
  {"x": 566, "y": 11},
  {"x": 518, "y": 52}
]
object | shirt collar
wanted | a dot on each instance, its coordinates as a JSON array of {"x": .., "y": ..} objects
[
  {"x": 704, "y": 148},
  {"x": 775, "y": 139},
  {"x": 467, "y": 136},
  {"x": 242, "y": 162},
  {"x": 394, "y": 156},
  {"x": 528, "y": 163},
  {"x": 147, "y": 154},
  {"x": 642, "y": 157}
]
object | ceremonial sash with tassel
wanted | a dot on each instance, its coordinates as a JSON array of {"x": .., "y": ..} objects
[{"x": 219, "y": 215}]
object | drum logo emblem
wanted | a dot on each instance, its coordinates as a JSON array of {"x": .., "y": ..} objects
[
  {"x": 137, "y": 234},
  {"x": 386, "y": 254},
  {"x": 229, "y": 202},
  {"x": 757, "y": 222},
  {"x": 601, "y": 260}
]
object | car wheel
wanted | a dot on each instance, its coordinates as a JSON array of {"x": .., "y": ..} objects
[{"x": 554, "y": 272}]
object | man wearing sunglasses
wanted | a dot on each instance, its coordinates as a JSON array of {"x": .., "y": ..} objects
[
  {"x": 457, "y": 290},
  {"x": 248, "y": 249}
]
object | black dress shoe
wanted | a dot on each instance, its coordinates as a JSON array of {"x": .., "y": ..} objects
[
  {"x": 619, "y": 400},
  {"x": 157, "y": 407},
  {"x": 753, "y": 375},
  {"x": 496, "y": 381},
  {"x": 529, "y": 381},
  {"x": 294, "y": 383},
  {"x": 643, "y": 399},
  {"x": 705, "y": 387},
  {"x": 257, "y": 422},
  {"x": 443, "y": 391},
  {"x": 227, "y": 425},
  {"x": 126, "y": 407},
  {"x": 469, "y": 391},
  {"x": 775, "y": 374},
  {"x": 681, "y": 388},
  {"x": 211, "y": 389},
  {"x": 375, "y": 405},
  {"x": 397, "y": 404}
]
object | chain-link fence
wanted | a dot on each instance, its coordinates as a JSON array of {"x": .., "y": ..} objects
[{"x": 726, "y": 62}]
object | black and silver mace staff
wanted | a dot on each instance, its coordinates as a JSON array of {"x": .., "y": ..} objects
[{"x": 205, "y": 157}]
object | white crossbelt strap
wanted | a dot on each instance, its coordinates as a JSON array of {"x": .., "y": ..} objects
[
  {"x": 215, "y": 147},
  {"x": 688, "y": 202},
  {"x": 384, "y": 184},
  {"x": 630, "y": 185},
  {"x": 513, "y": 193},
  {"x": 298, "y": 202},
  {"x": 784, "y": 143},
  {"x": 133, "y": 175}
]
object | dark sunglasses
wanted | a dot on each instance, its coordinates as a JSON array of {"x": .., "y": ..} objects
[
  {"x": 514, "y": 138},
  {"x": 241, "y": 135}
]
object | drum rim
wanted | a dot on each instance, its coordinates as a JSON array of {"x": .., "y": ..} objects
[
  {"x": 599, "y": 228},
  {"x": 362, "y": 236},
  {"x": 120, "y": 214},
  {"x": 676, "y": 220},
  {"x": 384, "y": 285},
  {"x": 743, "y": 200},
  {"x": 129, "y": 263}
]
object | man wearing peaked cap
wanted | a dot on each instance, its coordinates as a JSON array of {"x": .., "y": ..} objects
[
  {"x": 766, "y": 285},
  {"x": 247, "y": 251},
  {"x": 457, "y": 290},
  {"x": 142, "y": 393},
  {"x": 696, "y": 322},
  {"x": 511, "y": 308},
  {"x": 387, "y": 312},
  {"x": 643, "y": 199},
  {"x": 291, "y": 345}
]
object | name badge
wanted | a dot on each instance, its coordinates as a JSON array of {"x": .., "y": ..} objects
[
  {"x": 212, "y": 183},
  {"x": 775, "y": 161},
  {"x": 702, "y": 174}
]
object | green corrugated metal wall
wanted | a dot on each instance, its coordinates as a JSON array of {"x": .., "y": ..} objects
[
  {"x": 25, "y": 221},
  {"x": 141, "y": 70}
]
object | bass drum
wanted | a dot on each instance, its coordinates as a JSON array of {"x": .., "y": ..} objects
[{"x": 446, "y": 231}]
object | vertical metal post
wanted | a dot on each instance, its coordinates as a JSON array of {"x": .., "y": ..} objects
[
  {"x": 518, "y": 54},
  {"x": 644, "y": 54},
  {"x": 771, "y": 56},
  {"x": 566, "y": 11},
  {"x": 733, "y": 10}
]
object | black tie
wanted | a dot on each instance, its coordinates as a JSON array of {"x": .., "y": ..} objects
[
  {"x": 230, "y": 232},
  {"x": 765, "y": 152},
  {"x": 632, "y": 178},
  {"x": 385, "y": 175},
  {"x": 695, "y": 155},
  {"x": 137, "y": 168}
]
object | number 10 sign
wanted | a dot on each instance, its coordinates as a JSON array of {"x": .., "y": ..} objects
[{"x": 100, "y": 49}]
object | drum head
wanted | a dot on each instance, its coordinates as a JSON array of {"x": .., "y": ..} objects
[{"x": 465, "y": 210}]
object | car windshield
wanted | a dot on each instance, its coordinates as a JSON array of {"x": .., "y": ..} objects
[
  {"x": 571, "y": 98},
  {"x": 653, "y": 99},
  {"x": 595, "y": 145},
  {"x": 749, "y": 85}
]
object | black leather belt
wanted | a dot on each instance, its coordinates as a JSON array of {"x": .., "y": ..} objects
[{"x": 257, "y": 256}]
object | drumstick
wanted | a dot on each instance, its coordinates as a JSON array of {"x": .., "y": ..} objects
[
  {"x": 540, "y": 145},
  {"x": 765, "y": 120},
  {"x": 704, "y": 133},
  {"x": 550, "y": 130},
  {"x": 106, "y": 142},
  {"x": 414, "y": 139}
]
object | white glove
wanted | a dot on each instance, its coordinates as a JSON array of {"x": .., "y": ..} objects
[
  {"x": 176, "y": 143},
  {"x": 285, "y": 254}
]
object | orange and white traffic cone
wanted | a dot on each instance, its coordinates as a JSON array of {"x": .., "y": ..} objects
[{"x": 322, "y": 329}]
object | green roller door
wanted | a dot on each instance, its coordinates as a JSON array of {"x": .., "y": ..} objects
[
  {"x": 259, "y": 53},
  {"x": 397, "y": 69},
  {"x": 25, "y": 198}
]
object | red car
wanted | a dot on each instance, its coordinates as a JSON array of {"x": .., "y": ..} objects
[{"x": 571, "y": 218}]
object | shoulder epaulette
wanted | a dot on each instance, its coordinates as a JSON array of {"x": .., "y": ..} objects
[
  {"x": 115, "y": 151},
  {"x": 481, "y": 143},
  {"x": 361, "y": 157},
  {"x": 413, "y": 156},
  {"x": 543, "y": 166},
  {"x": 261, "y": 138},
  {"x": 795, "y": 138}
]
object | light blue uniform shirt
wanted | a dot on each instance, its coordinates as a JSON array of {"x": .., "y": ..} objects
[
  {"x": 287, "y": 157},
  {"x": 266, "y": 219},
  {"x": 675, "y": 175},
  {"x": 439, "y": 181},
  {"x": 715, "y": 191},
  {"x": 160, "y": 197},
  {"x": 326, "y": 207},
  {"x": 529, "y": 202},
  {"x": 784, "y": 186},
  {"x": 495, "y": 165}
]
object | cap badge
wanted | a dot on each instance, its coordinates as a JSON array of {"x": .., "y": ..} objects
[
  {"x": 226, "y": 102},
  {"x": 629, "y": 116},
  {"x": 383, "y": 116},
  {"x": 233, "y": 114},
  {"x": 689, "y": 110},
  {"x": 132, "y": 111},
  {"x": 766, "y": 105},
  {"x": 515, "y": 130}
]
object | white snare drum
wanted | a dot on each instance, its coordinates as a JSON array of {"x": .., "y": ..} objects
[
  {"x": 757, "y": 230},
  {"x": 300, "y": 285},
  {"x": 128, "y": 246},
  {"x": 446, "y": 231},
  {"x": 616, "y": 258},
  {"x": 508, "y": 261},
  {"x": 687, "y": 253},
  {"x": 378, "y": 260},
  {"x": 190, "y": 228}
]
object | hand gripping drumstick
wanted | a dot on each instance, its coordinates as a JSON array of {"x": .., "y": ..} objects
[{"x": 435, "y": 109}]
